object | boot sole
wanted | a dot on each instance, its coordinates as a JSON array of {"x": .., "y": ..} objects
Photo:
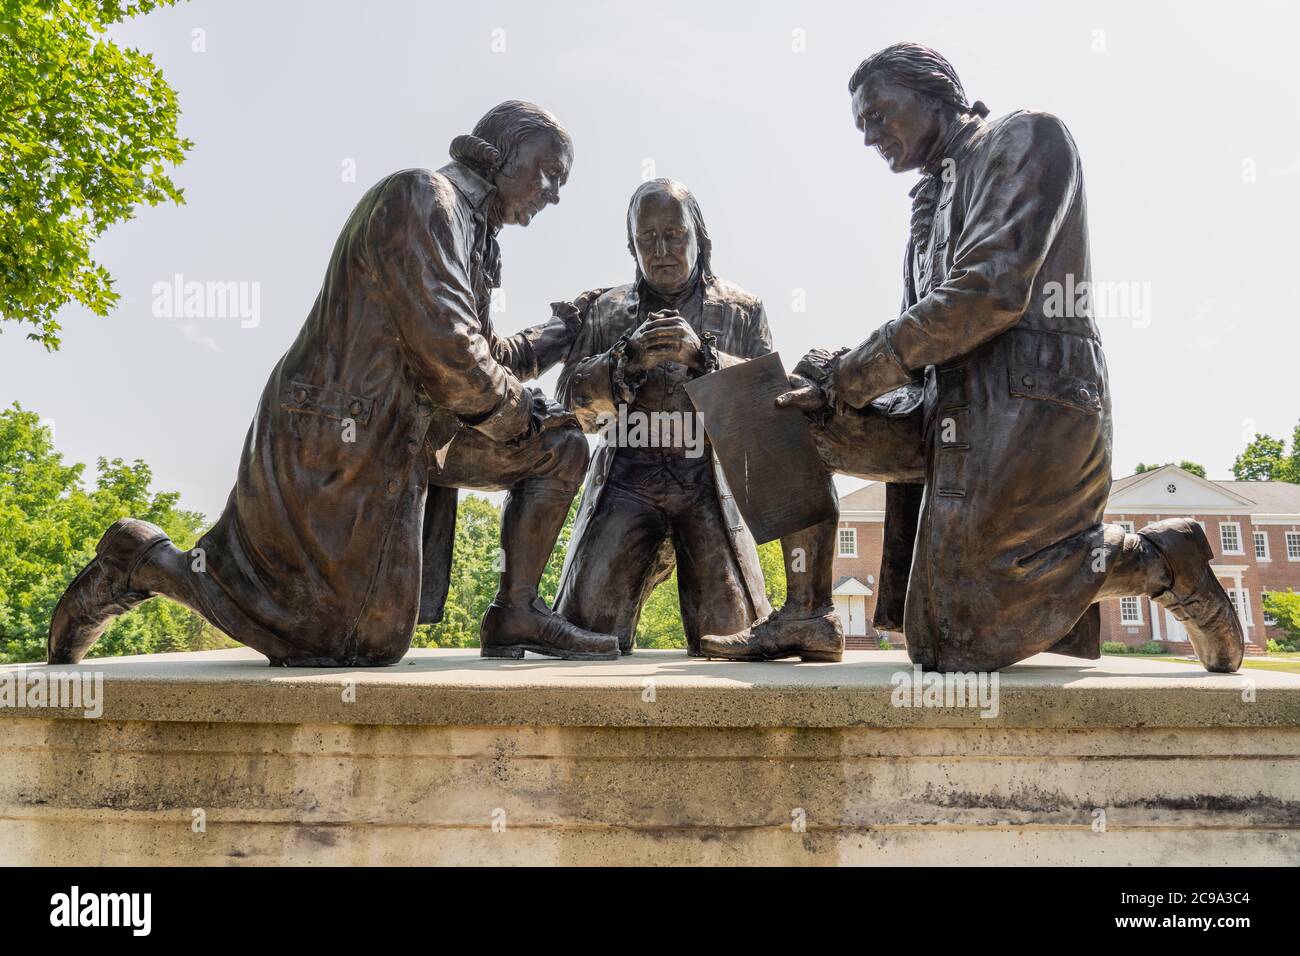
[
  {"x": 1203, "y": 644},
  {"x": 65, "y": 655},
  {"x": 1212, "y": 582},
  {"x": 514, "y": 652},
  {"x": 822, "y": 657},
  {"x": 807, "y": 657}
]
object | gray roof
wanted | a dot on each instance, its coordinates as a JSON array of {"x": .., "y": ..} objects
[
  {"x": 1270, "y": 497},
  {"x": 1267, "y": 497},
  {"x": 1119, "y": 484},
  {"x": 869, "y": 498}
]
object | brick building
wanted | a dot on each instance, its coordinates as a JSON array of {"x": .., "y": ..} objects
[{"x": 1253, "y": 526}]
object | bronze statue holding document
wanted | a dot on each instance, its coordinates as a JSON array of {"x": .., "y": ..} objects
[{"x": 987, "y": 413}]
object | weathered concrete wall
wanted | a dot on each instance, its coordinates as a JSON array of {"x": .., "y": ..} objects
[{"x": 689, "y": 764}]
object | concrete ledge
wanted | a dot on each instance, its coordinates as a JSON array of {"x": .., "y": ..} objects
[
  {"x": 457, "y": 688},
  {"x": 656, "y": 759}
]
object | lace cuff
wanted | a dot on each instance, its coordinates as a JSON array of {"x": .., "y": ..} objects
[
  {"x": 623, "y": 383},
  {"x": 817, "y": 365},
  {"x": 709, "y": 353}
]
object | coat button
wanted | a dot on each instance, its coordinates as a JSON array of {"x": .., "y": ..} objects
[
  {"x": 355, "y": 408},
  {"x": 300, "y": 394},
  {"x": 1027, "y": 381},
  {"x": 394, "y": 486}
]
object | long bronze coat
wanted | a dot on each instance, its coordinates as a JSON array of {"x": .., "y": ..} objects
[
  {"x": 325, "y": 541},
  {"x": 739, "y": 327},
  {"x": 1016, "y": 403}
]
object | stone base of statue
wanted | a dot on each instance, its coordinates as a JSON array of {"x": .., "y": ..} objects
[{"x": 448, "y": 758}]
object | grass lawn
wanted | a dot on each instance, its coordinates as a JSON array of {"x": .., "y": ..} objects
[
  {"x": 1286, "y": 661},
  {"x": 1272, "y": 663}
]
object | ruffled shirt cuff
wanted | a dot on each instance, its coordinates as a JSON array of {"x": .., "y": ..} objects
[
  {"x": 623, "y": 384},
  {"x": 868, "y": 371}
]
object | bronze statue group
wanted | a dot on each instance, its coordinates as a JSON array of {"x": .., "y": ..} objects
[{"x": 987, "y": 415}]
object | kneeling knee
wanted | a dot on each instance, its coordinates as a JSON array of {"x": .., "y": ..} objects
[{"x": 569, "y": 446}]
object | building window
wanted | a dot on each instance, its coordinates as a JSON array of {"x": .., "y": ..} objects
[
  {"x": 1269, "y": 620},
  {"x": 1230, "y": 537},
  {"x": 848, "y": 542},
  {"x": 1293, "y": 545},
  {"x": 1126, "y": 525},
  {"x": 1130, "y": 610},
  {"x": 1241, "y": 604},
  {"x": 1261, "y": 546}
]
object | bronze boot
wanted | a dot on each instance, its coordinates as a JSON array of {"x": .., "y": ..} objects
[
  {"x": 789, "y": 632},
  {"x": 508, "y": 631},
  {"x": 101, "y": 590},
  {"x": 1195, "y": 595}
]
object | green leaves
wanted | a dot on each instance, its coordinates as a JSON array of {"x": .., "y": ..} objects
[
  {"x": 1266, "y": 459},
  {"x": 87, "y": 130},
  {"x": 49, "y": 524},
  {"x": 1284, "y": 607},
  {"x": 661, "y": 618},
  {"x": 474, "y": 576}
]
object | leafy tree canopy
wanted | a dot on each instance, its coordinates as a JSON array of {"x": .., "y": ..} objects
[
  {"x": 87, "y": 129},
  {"x": 1266, "y": 459},
  {"x": 49, "y": 525},
  {"x": 1284, "y": 608}
]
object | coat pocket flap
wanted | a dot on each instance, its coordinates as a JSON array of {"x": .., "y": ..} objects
[
  {"x": 1051, "y": 386},
  {"x": 327, "y": 402}
]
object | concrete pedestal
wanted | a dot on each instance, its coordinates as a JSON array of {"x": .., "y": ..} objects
[{"x": 446, "y": 758}]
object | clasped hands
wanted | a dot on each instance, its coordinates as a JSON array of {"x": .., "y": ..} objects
[{"x": 664, "y": 336}]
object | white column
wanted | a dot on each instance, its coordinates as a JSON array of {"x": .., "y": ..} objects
[
  {"x": 1154, "y": 609},
  {"x": 1241, "y": 601}
]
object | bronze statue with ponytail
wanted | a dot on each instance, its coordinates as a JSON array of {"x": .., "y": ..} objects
[
  {"x": 501, "y": 129},
  {"x": 919, "y": 68}
]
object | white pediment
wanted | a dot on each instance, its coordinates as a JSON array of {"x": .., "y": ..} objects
[
  {"x": 1172, "y": 488},
  {"x": 852, "y": 586}
]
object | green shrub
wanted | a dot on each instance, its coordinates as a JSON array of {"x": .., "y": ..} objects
[
  {"x": 1151, "y": 647},
  {"x": 1114, "y": 647}
]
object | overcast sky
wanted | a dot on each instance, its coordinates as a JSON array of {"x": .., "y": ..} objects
[{"x": 1185, "y": 115}]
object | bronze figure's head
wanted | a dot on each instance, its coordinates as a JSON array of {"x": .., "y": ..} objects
[
  {"x": 525, "y": 152},
  {"x": 905, "y": 98},
  {"x": 667, "y": 236}
]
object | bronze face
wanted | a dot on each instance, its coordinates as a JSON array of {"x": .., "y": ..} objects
[
  {"x": 531, "y": 177},
  {"x": 665, "y": 241},
  {"x": 904, "y": 126}
]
